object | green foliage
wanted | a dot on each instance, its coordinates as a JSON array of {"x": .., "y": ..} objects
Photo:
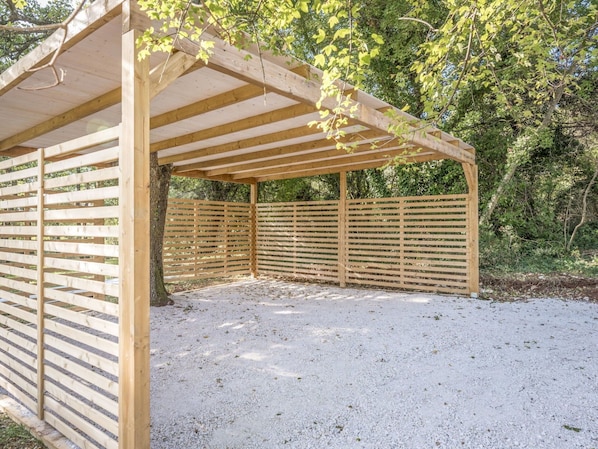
[
  {"x": 203, "y": 189},
  {"x": 522, "y": 51},
  {"x": 14, "y": 45},
  {"x": 505, "y": 252},
  {"x": 340, "y": 48},
  {"x": 314, "y": 188},
  {"x": 14, "y": 436}
]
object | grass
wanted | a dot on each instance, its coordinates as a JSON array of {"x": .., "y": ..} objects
[{"x": 15, "y": 436}]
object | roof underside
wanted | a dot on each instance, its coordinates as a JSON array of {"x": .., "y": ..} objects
[{"x": 236, "y": 119}]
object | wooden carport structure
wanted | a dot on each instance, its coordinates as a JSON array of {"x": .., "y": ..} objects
[{"x": 74, "y": 218}]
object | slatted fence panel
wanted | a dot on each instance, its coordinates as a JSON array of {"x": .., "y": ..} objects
[
  {"x": 72, "y": 216},
  {"x": 204, "y": 239},
  {"x": 417, "y": 243},
  {"x": 298, "y": 240},
  {"x": 19, "y": 186}
]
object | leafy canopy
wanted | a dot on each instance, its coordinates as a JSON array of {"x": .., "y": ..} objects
[{"x": 341, "y": 49}]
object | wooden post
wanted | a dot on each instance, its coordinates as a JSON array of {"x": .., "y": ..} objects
[
  {"x": 471, "y": 174},
  {"x": 40, "y": 283},
  {"x": 294, "y": 239},
  {"x": 134, "y": 242},
  {"x": 402, "y": 243},
  {"x": 195, "y": 243},
  {"x": 342, "y": 230},
  {"x": 225, "y": 235},
  {"x": 253, "y": 231}
]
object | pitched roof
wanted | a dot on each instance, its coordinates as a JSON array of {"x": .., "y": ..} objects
[{"x": 242, "y": 117}]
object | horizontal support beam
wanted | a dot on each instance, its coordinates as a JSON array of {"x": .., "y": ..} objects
[{"x": 330, "y": 169}]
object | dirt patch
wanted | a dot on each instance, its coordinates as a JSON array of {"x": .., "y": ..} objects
[{"x": 525, "y": 286}]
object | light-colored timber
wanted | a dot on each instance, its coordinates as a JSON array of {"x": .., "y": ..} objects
[{"x": 74, "y": 207}]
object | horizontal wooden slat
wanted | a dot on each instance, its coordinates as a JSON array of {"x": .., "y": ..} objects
[
  {"x": 81, "y": 231},
  {"x": 79, "y": 353},
  {"x": 101, "y": 306},
  {"x": 92, "y": 176},
  {"x": 88, "y": 391},
  {"x": 91, "y": 377},
  {"x": 65, "y": 421},
  {"x": 82, "y": 284},
  {"x": 90, "y": 413}
]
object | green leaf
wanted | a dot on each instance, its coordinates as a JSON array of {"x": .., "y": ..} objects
[
  {"x": 378, "y": 39},
  {"x": 320, "y": 36}
]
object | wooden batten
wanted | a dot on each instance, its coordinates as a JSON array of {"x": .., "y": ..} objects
[{"x": 134, "y": 419}]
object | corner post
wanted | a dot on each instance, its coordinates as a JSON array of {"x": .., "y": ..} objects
[
  {"x": 134, "y": 218},
  {"x": 471, "y": 174},
  {"x": 41, "y": 299},
  {"x": 253, "y": 230},
  {"x": 342, "y": 230}
]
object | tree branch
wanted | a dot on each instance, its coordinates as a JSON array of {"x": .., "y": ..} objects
[
  {"x": 58, "y": 78},
  {"x": 584, "y": 210},
  {"x": 415, "y": 19},
  {"x": 30, "y": 29}
]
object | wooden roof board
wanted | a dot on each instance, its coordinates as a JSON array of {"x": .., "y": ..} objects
[
  {"x": 215, "y": 120},
  {"x": 251, "y": 136},
  {"x": 195, "y": 86},
  {"x": 221, "y": 117},
  {"x": 298, "y": 146}
]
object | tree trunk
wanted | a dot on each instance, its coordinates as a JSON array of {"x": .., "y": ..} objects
[
  {"x": 159, "y": 185},
  {"x": 584, "y": 209}
]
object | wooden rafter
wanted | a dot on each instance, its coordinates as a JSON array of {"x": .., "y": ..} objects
[
  {"x": 206, "y": 105},
  {"x": 239, "y": 125},
  {"x": 176, "y": 65},
  {"x": 295, "y": 157},
  {"x": 340, "y": 158},
  {"x": 90, "y": 107},
  {"x": 225, "y": 158},
  {"x": 170, "y": 70}
]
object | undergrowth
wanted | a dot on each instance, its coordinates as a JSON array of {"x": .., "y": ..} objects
[{"x": 15, "y": 436}]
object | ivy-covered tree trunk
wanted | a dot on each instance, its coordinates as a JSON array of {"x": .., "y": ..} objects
[{"x": 159, "y": 185}]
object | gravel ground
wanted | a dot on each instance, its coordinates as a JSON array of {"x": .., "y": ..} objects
[{"x": 270, "y": 364}]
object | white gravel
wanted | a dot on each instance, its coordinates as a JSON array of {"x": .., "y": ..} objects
[{"x": 271, "y": 364}]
